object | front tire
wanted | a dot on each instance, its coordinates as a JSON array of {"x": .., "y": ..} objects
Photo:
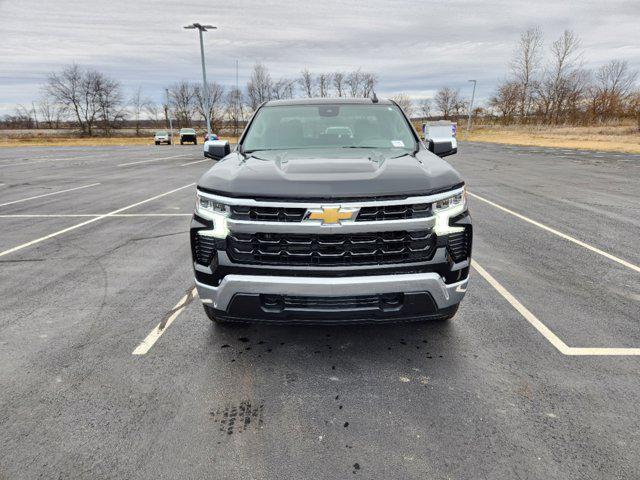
[{"x": 157, "y": 143}]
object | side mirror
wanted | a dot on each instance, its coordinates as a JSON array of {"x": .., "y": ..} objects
[
  {"x": 441, "y": 137},
  {"x": 442, "y": 149},
  {"x": 216, "y": 149}
]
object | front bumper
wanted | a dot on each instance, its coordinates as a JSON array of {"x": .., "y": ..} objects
[{"x": 220, "y": 297}]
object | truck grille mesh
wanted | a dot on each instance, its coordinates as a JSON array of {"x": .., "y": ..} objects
[
  {"x": 393, "y": 212},
  {"x": 366, "y": 214},
  {"x": 460, "y": 245},
  {"x": 319, "y": 250},
  {"x": 203, "y": 248}
]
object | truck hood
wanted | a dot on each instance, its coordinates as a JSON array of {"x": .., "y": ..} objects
[{"x": 328, "y": 173}]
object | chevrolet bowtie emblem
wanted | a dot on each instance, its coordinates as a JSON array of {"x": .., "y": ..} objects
[{"x": 331, "y": 215}]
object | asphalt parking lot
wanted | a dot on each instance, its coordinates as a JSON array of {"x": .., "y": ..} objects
[{"x": 536, "y": 377}]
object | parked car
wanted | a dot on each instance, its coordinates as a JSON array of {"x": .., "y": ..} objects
[
  {"x": 331, "y": 210},
  {"x": 188, "y": 135},
  {"x": 162, "y": 136}
]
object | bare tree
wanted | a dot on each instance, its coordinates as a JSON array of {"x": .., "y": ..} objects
[
  {"x": 405, "y": 103},
  {"x": 612, "y": 90},
  {"x": 73, "y": 89},
  {"x": 447, "y": 101},
  {"x": 339, "y": 83},
  {"x": 354, "y": 83},
  {"x": 564, "y": 79},
  {"x": 182, "y": 97},
  {"x": 154, "y": 112},
  {"x": 525, "y": 66},
  {"x": 324, "y": 84},
  {"x": 139, "y": 104},
  {"x": 215, "y": 94},
  {"x": 50, "y": 111},
  {"x": 234, "y": 108},
  {"x": 506, "y": 100},
  {"x": 283, "y": 89},
  {"x": 109, "y": 99},
  {"x": 369, "y": 82},
  {"x": 424, "y": 107},
  {"x": 307, "y": 83},
  {"x": 259, "y": 86}
]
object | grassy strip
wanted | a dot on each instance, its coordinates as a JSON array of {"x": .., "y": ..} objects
[{"x": 624, "y": 139}]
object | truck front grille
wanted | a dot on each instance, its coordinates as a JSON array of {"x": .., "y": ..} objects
[{"x": 321, "y": 250}]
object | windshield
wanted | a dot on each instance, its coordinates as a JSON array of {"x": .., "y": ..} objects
[
  {"x": 187, "y": 130},
  {"x": 329, "y": 126},
  {"x": 161, "y": 133}
]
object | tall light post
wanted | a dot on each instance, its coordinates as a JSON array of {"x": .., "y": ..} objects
[
  {"x": 166, "y": 91},
  {"x": 207, "y": 107},
  {"x": 471, "y": 106}
]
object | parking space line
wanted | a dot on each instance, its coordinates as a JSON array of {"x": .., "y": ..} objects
[
  {"x": 197, "y": 161},
  {"x": 560, "y": 234},
  {"x": 81, "y": 215},
  {"x": 91, "y": 220},
  {"x": 48, "y": 194},
  {"x": 154, "y": 160},
  {"x": 157, "y": 332},
  {"x": 544, "y": 330}
]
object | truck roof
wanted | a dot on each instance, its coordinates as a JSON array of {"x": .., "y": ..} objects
[{"x": 322, "y": 101}]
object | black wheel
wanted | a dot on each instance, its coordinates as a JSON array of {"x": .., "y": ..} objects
[
  {"x": 169, "y": 142},
  {"x": 157, "y": 143},
  {"x": 195, "y": 142},
  {"x": 181, "y": 142}
]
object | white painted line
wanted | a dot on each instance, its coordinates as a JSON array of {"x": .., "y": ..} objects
[
  {"x": 157, "y": 332},
  {"x": 81, "y": 215},
  {"x": 27, "y": 161},
  {"x": 49, "y": 194},
  {"x": 87, "y": 222},
  {"x": 560, "y": 234},
  {"x": 544, "y": 330},
  {"x": 154, "y": 160},
  {"x": 197, "y": 161}
]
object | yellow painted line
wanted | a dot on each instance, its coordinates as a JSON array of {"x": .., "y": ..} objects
[
  {"x": 154, "y": 160},
  {"x": 630, "y": 265},
  {"x": 544, "y": 330},
  {"x": 91, "y": 220},
  {"x": 157, "y": 332},
  {"x": 48, "y": 194}
]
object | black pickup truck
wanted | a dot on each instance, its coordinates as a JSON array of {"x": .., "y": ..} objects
[{"x": 330, "y": 210}]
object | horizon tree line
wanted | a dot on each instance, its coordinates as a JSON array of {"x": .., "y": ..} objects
[{"x": 542, "y": 87}]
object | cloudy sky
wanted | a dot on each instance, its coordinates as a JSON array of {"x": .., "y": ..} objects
[{"x": 414, "y": 46}]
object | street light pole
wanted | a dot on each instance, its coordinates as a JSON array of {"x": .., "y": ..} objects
[
  {"x": 471, "y": 106},
  {"x": 166, "y": 91},
  {"x": 205, "y": 87}
]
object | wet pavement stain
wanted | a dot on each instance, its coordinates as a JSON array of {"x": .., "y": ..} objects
[{"x": 237, "y": 418}]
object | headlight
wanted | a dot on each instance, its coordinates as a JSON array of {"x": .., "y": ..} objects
[
  {"x": 214, "y": 211},
  {"x": 449, "y": 207}
]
